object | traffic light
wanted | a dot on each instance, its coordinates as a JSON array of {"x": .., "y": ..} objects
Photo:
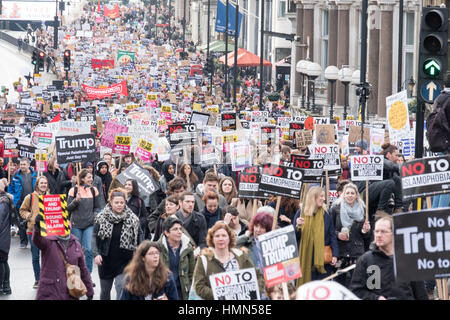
[
  {"x": 66, "y": 60},
  {"x": 41, "y": 57},
  {"x": 34, "y": 58},
  {"x": 432, "y": 52}
]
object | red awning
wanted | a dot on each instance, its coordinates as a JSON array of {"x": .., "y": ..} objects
[{"x": 244, "y": 59}]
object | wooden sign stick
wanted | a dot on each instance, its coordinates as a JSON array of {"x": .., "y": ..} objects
[
  {"x": 9, "y": 169},
  {"x": 277, "y": 209},
  {"x": 367, "y": 200},
  {"x": 327, "y": 188}
]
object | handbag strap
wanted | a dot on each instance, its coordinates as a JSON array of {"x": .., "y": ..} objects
[{"x": 62, "y": 256}]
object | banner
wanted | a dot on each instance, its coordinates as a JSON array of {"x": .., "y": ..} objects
[
  {"x": 421, "y": 245},
  {"x": 111, "y": 13},
  {"x": 80, "y": 148},
  {"x": 279, "y": 255},
  {"x": 125, "y": 56},
  {"x": 53, "y": 208},
  {"x": 100, "y": 93},
  {"x": 425, "y": 177},
  {"x": 147, "y": 185},
  {"x": 366, "y": 167},
  {"x": 221, "y": 18},
  {"x": 235, "y": 285},
  {"x": 280, "y": 180},
  {"x": 102, "y": 63}
]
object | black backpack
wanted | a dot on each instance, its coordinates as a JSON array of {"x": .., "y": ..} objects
[{"x": 438, "y": 129}]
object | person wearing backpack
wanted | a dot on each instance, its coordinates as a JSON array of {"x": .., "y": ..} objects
[
  {"x": 83, "y": 203},
  {"x": 438, "y": 122}
]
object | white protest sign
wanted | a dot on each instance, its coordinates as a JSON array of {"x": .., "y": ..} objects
[
  {"x": 397, "y": 116},
  {"x": 235, "y": 285},
  {"x": 366, "y": 167}
]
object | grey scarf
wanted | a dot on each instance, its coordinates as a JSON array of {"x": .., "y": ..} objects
[
  {"x": 129, "y": 234},
  {"x": 351, "y": 213}
]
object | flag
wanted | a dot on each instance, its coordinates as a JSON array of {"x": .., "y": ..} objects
[
  {"x": 125, "y": 56},
  {"x": 111, "y": 13},
  {"x": 57, "y": 118},
  {"x": 221, "y": 18}
]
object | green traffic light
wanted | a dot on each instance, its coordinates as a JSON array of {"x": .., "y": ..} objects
[{"x": 432, "y": 67}]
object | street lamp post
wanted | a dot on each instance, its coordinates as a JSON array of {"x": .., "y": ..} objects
[
  {"x": 345, "y": 76},
  {"x": 301, "y": 68},
  {"x": 411, "y": 85},
  {"x": 184, "y": 25},
  {"x": 331, "y": 74},
  {"x": 313, "y": 70},
  {"x": 355, "y": 78}
]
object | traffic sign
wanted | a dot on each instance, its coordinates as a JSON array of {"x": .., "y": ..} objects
[
  {"x": 432, "y": 67},
  {"x": 430, "y": 90}
]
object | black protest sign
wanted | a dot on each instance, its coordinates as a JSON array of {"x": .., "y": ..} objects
[
  {"x": 280, "y": 180},
  {"x": 33, "y": 116},
  {"x": 88, "y": 114},
  {"x": 248, "y": 186},
  {"x": 79, "y": 148},
  {"x": 268, "y": 135},
  {"x": 7, "y": 129},
  {"x": 422, "y": 245},
  {"x": 182, "y": 134},
  {"x": 279, "y": 255},
  {"x": 11, "y": 143},
  {"x": 26, "y": 152},
  {"x": 312, "y": 168},
  {"x": 425, "y": 177},
  {"x": 366, "y": 167},
  {"x": 228, "y": 121},
  {"x": 147, "y": 185},
  {"x": 293, "y": 128}
]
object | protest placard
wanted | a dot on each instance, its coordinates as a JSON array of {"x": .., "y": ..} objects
[
  {"x": 425, "y": 177},
  {"x": 325, "y": 134},
  {"x": 53, "y": 209},
  {"x": 312, "y": 168},
  {"x": 228, "y": 120},
  {"x": 26, "y": 151},
  {"x": 7, "y": 129},
  {"x": 397, "y": 116},
  {"x": 366, "y": 167},
  {"x": 11, "y": 142},
  {"x": 122, "y": 145},
  {"x": 330, "y": 154},
  {"x": 248, "y": 185},
  {"x": 147, "y": 185},
  {"x": 109, "y": 133},
  {"x": 144, "y": 149},
  {"x": 280, "y": 180},
  {"x": 303, "y": 138},
  {"x": 421, "y": 245},
  {"x": 181, "y": 135},
  {"x": 80, "y": 148},
  {"x": 235, "y": 285},
  {"x": 279, "y": 255},
  {"x": 240, "y": 155}
]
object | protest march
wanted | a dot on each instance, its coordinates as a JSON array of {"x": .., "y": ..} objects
[{"x": 133, "y": 169}]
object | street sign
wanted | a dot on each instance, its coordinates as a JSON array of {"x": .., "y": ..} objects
[
  {"x": 430, "y": 90},
  {"x": 432, "y": 67}
]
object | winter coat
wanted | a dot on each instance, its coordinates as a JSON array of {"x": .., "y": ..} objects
[
  {"x": 52, "y": 281},
  {"x": 202, "y": 285},
  {"x": 29, "y": 210},
  {"x": 58, "y": 184},
  {"x": 195, "y": 225},
  {"x": 329, "y": 232},
  {"x": 211, "y": 219},
  {"x": 389, "y": 287},
  {"x": 83, "y": 212},
  {"x": 353, "y": 248},
  {"x": 137, "y": 205},
  {"x": 101, "y": 247},
  {"x": 16, "y": 186},
  {"x": 6, "y": 209},
  {"x": 170, "y": 290},
  {"x": 199, "y": 204},
  {"x": 186, "y": 265},
  {"x": 248, "y": 242},
  {"x": 245, "y": 211}
]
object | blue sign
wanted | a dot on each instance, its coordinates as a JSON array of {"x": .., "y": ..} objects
[
  {"x": 430, "y": 90},
  {"x": 221, "y": 18}
]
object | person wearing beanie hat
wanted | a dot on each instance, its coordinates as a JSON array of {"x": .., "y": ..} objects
[{"x": 361, "y": 147}]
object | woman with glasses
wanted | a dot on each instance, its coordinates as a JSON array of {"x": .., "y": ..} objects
[
  {"x": 147, "y": 277},
  {"x": 117, "y": 233}
]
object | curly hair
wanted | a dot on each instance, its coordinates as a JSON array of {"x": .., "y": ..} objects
[{"x": 220, "y": 225}]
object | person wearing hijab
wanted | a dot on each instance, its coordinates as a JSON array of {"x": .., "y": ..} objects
[
  {"x": 103, "y": 172},
  {"x": 168, "y": 170}
]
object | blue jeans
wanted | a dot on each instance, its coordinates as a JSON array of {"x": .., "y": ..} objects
[
  {"x": 35, "y": 259},
  {"x": 85, "y": 238}
]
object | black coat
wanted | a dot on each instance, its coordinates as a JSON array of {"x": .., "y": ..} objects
[
  {"x": 58, "y": 183},
  {"x": 388, "y": 287},
  {"x": 6, "y": 207},
  {"x": 353, "y": 248},
  {"x": 137, "y": 205},
  {"x": 195, "y": 225}
]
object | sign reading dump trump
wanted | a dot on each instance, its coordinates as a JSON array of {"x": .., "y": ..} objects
[
  {"x": 235, "y": 285},
  {"x": 425, "y": 177},
  {"x": 422, "y": 245},
  {"x": 279, "y": 255},
  {"x": 79, "y": 148}
]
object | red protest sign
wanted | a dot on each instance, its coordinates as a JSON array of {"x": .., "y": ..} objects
[{"x": 56, "y": 217}]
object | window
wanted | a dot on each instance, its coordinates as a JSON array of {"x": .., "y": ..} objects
[
  {"x": 281, "y": 9},
  {"x": 324, "y": 60}
]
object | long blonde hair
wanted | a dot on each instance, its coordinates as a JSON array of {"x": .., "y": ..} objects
[{"x": 309, "y": 207}]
